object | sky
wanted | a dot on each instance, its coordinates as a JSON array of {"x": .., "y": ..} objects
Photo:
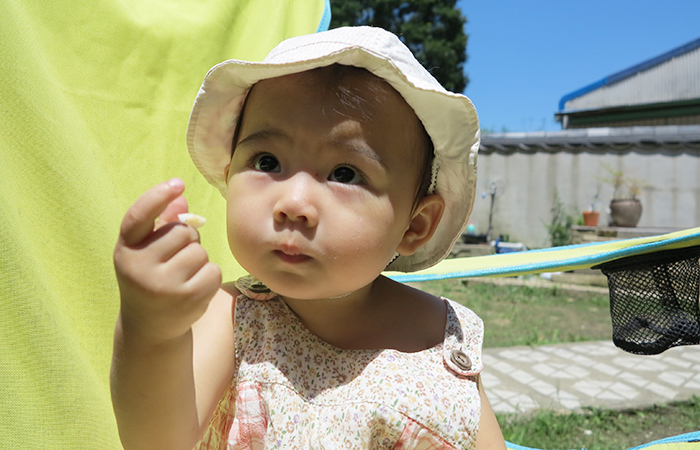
[{"x": 524, "y": 55}]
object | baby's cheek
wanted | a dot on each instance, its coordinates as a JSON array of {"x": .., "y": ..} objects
[
  {"x": 242, "y": 215},
  {"x": 239, "y": 231},
  {"x": 366, "y": 239}
]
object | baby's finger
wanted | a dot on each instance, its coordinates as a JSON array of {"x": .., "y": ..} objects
[
  {"x": 139, "y": 219},
  {"x": 167, "y": 241},
  {"x": 188, "y": 261},
  {"x": 206, "y": 281},
  {"x": 174, "y": 208}
]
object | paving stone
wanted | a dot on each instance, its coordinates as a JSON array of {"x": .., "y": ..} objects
[{"x": 592, "y": 374}]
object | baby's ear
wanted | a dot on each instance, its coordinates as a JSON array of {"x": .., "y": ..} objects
[
  {"x": 423, "y": 225},
  {"x": 228, "y": 167}
]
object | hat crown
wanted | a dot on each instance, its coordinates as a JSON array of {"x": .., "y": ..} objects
[{"x": 378, "y": 41}]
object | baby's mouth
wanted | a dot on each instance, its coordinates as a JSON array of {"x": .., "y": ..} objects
[{"x": 291, "y": 257}]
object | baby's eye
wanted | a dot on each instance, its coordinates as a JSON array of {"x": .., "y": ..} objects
[
  {"x": 345, "y": 174},
  {"x": 267, "y": 163}
]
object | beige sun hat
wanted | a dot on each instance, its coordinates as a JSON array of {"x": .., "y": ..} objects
[{"x": 450, "y": 119}]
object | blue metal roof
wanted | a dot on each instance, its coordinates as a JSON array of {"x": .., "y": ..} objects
[{"x": 619, "y": 76}]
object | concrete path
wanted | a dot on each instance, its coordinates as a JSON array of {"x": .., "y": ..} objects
[{"x": 596, "y": 374}]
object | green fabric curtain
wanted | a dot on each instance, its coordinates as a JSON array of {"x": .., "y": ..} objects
[{"x": 94, "y": 101}]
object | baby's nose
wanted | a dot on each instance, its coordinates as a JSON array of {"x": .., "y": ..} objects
[{"x": 297, "y": 201}]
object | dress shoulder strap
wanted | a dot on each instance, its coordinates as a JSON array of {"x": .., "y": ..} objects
[
  {"x": 253, "y": 288},
  {"x": 464, "y": 337}
]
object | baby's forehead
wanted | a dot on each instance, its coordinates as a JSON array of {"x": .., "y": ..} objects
[{"x": 355, "y": 88}]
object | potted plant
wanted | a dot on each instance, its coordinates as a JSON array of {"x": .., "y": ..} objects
[
  {"x": 591, "y": 215},
  {"x": 625, "y": 210}
]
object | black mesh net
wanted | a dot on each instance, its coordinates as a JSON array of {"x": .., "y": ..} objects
[{"x": 654, "y": 300}]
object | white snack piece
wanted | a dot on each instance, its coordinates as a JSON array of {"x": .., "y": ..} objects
[{"x": 192, "y": 220}]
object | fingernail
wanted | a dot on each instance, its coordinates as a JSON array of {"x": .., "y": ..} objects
[{"x": 176, "y": 183}]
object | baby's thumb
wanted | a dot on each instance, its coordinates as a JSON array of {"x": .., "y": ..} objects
[{"x": 177, "y": 206}]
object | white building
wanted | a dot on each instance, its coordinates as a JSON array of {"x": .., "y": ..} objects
[{"x": 644, "y": 121}]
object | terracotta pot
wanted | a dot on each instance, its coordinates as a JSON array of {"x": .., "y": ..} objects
[
  {"x": 590, "y": 218},
  {"x": 625, "y": 212}
]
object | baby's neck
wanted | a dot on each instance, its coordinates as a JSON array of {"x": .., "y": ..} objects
[{"x": 384, "y": 314}]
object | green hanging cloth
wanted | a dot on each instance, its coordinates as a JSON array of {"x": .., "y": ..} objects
[{"x": 94, "y": 101}]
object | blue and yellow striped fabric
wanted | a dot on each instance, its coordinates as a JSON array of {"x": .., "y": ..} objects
[{"x": 556, "y": 259}]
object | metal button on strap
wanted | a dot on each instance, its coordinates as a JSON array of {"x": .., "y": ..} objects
[
  {"x": 259, "y": 288},
  {"x": 461, "y": 360}
]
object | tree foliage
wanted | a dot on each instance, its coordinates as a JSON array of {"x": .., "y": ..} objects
[{"x": 432, "y": 29}]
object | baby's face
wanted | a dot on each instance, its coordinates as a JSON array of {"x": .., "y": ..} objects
[{"x": 320, "y": 196}]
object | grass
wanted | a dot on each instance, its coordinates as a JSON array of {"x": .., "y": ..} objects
[
  {"x": 600, "y": 429},
  {"x": 521, "y": 315},
  {"x": 516, "y": 315}
]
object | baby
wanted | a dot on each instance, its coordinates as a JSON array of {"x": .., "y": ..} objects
[{"x": 339, "y": 157}]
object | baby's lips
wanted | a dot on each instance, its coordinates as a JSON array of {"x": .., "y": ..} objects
[{"x": 192, "y": 220}]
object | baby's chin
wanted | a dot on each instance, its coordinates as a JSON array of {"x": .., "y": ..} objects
[
  {"x": 308, "y": 291},
  {"x": 307, "y": 285}
]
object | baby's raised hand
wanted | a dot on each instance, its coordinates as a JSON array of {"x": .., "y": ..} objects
[{"x": 164, "y": 274}]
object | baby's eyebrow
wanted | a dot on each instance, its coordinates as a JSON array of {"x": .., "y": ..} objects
[
  {"x": 266, "y": 134},
  {"x": 358, "y": 147}
]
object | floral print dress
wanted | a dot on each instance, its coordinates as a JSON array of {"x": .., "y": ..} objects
[{"x": 293, "y": 390}]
